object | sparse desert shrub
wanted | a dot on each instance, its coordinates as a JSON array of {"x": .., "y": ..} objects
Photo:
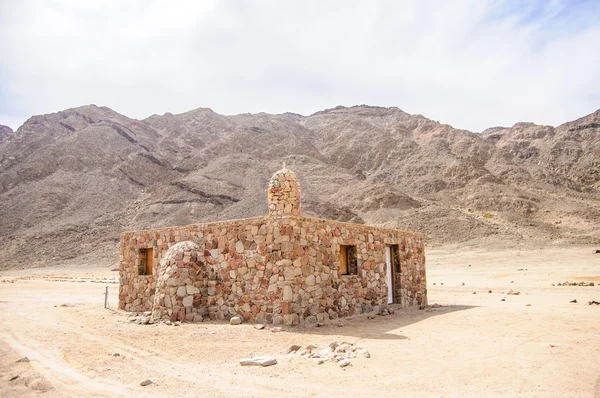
[{"x": 487, "y": 214}]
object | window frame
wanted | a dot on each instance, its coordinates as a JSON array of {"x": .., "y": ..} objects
[
  {"x": 145, "y": 261},
  {"x": 348, "y": 260}
]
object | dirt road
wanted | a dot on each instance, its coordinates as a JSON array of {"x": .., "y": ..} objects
[{"x": 536, "y": 343}]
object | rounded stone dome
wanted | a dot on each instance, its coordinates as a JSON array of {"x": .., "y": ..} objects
[
  {"x": 179, "y": 264},
  {"x": 284, "y": 194}
]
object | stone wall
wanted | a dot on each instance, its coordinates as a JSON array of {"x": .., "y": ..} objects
[{"x": 282, "y": 270}]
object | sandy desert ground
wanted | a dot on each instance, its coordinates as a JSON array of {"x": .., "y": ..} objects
[{"x": 535, "y": 344}]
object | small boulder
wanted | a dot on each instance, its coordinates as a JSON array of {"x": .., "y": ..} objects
[
  {"x": 258, "y": 361},
  {"x": 145, "y": 383},
  {"x": 343, "y": 363},
  {"x": 236, "y": 320},
  {"x": 293, "y": 348}
]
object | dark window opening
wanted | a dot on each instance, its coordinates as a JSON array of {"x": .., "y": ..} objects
[
  {"x": 395, "y": 258},
  {"x": 348, "y": 260},
  {"x": 145, "y": 258}
]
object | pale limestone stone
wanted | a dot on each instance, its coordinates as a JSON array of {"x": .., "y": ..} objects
[
  {"x": 239, "y": 246},
  {"x": 287, "y": 293},
  {"x": 192, "y": 289},
  {"x": 188, "y": 301},
  {"x": 259, "y": 361},
  {"x": 289, "y": 273}
]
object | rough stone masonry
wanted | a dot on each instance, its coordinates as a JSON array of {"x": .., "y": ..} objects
[{"x": 281, "y": 268}]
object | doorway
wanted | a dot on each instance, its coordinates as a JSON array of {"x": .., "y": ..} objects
[
  {"x": 394, "y": 274},
  {"x": 390, "y": 276}
]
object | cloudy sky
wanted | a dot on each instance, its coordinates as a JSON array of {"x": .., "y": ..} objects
[{"x": 473, "y": 63}]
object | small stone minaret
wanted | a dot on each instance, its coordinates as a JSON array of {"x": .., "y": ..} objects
[{"x": 284, "y": 194}]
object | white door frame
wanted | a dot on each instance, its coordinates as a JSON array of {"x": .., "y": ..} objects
[{"x": 390, "y": 285}]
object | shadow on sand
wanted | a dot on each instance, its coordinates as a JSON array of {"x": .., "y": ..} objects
[{"x": 382, "y": 327}]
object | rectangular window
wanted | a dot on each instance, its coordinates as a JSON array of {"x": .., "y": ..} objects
[
  {"x": 395, "y": 257},
  {"x": 348, "y": 260},
  {"x": 145, "y": 258}
]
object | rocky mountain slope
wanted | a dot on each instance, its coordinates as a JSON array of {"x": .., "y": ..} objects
[
  {"x": 71, "y": 181},
  {"x": 5, "y": 131}
]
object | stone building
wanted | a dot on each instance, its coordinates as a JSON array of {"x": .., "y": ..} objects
[{"x": 281, "y": 268}]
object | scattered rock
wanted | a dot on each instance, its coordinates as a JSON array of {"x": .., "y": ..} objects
[
  {"x": 474, "y": 292},
  {"x": 489, "y": 291},
  {"x": 433, "y": 283},
  {"x": 177, "y": 323},
  {"x": 503, "y": 299},
  {"x": 258, "y": 361},
  {"x": 463, "y": 284},
  {"x": 593, "y": 302},
  {"x": 276, "y": 329},
  {"x": 513, "y": 293},
  {"x": 575, "y": 284},
  {"x": 552, "y": 345},
  {"x": 442, "y": 283},
  {"x": 116, "y": 354},
  {"x": 436, "y": 305},
  {"x": 145, "y": 383},
  {"x": 522, "y": 269},
  {"x": 319, "y": 324},
  {"x": 333, "y": 352},
  {"x": 343, "y": 363},
  {"x": 597, "y": 251},
  {"x": 528, "y": 305},
  {"x": 259, "y": 327},
  {"x": 363, "y": 352},
  {"x": 13, "y": 378},
  {"x": 573, "y": 301},
  {"x": 293, "y": 348},
  {"x": 236, "y": 320},
  {"x": 143, "y": 320},
  {"x": 24, "y": 359},
  {"x": 340, "y": 325},
  {"x": 211, "y": 332}
]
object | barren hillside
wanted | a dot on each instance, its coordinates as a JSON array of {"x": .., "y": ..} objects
[
  {"x": 5, "y": 131},
  {"x": 71, "y": 181}
]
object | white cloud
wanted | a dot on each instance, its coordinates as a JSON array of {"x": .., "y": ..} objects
[{"x": 473, "y": 64}]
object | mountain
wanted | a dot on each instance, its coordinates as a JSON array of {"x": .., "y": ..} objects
[
  {"x": 71, "y": 181},
  {"x": 5, "y": 131}
]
